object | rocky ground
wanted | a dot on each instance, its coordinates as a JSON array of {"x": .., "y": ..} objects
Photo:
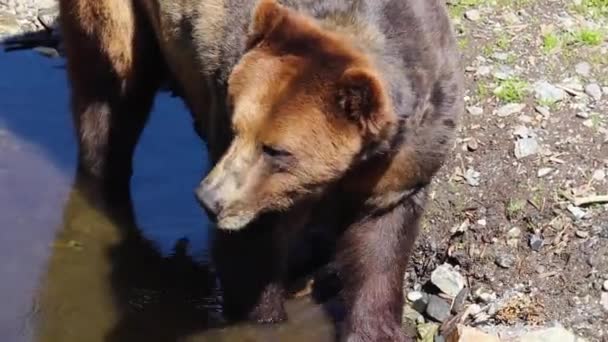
[{"x": 516, "y": 237}]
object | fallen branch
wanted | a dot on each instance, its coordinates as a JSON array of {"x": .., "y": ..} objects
[{"x": 579, "y": 201}]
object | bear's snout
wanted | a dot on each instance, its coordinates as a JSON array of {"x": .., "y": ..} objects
[{"x": 209, "y": 200}]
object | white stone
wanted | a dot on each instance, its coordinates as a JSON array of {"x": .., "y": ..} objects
[{"x": 448, "y": 280}]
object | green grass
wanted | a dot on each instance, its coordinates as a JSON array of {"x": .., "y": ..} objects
[
  {"x": 588, "y": 37},
  {"x": 511, "y": 90},
  {"x": 550, "y": 42},
  {"x": 593, "y": 8},
  {"x": 515, "y": 207}
]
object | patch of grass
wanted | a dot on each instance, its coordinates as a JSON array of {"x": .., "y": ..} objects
[
  {"x": 503, "y": 42},
  {"x": 515, "y": 207},
  {"x": 593, "y": 8},
  {"x": 482, "y": 90},
  {"x": 511, "y": 90},
  {"x": 550, "y": 42},
  {"x": 547, "y": 103},
  {"x": 588, "y": 37},
  {"x": 596, "y": 120},
  {"x": 464, "y": 42}
]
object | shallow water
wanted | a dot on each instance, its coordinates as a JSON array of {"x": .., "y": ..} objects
[{"x": 67, "y": 272}]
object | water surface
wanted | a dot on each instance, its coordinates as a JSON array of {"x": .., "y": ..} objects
[{"x": 69, "y": 273}]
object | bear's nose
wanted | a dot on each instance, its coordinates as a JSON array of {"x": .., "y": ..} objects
[{"x": 209, "y": 201}]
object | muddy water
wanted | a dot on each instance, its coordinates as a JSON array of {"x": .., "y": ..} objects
[{"x": 70, "y": 273}]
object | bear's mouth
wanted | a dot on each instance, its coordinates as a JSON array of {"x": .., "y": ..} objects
[{"x": 234, "y": 221}]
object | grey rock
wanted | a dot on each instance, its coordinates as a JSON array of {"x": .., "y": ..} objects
[
  {"x": 582, "y": 115},
  {"x": 577, "y": 212},
  {"x": 514, "y": 233},
  {"x": 411, "y": 315},
  {"x": 526, "y": 147},
  {"x": 448, "y": 280},
  {"x": 484, "y": 295},
  {"x": 605, "y": 285},
  {"x": 472, "y": 15},
  {"x": 413, "y": 296},
  {"x": 472, "y": 177},
  {"x": 500, "y": 56},
  {"x": 542, "y": 172},
  {"x": 509, "y": 109},
  {"x": 582, "y": 234},
  {"x": 546, "y": 92},
  {"x": 421, "y": 304},
  {"x": 460, "y": 300},
  {"x": 594, "y": 90},
  {"x": 505, "y": 260},
  {"x": 583, "y": 69},
  {"x": 475, "y": 111},
  {"x": 472, "y": 145},
  {"x": 484, "y": 70},
  {"x": 438, "y": 309},
  {"x": 599, "y": 175},
  {"x": 536, "y": 242}
]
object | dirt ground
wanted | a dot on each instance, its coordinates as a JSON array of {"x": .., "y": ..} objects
[{"x": 511, "y": 225}]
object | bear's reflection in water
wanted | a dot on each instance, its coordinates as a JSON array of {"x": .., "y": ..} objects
[{"x": 105, "y": 282}]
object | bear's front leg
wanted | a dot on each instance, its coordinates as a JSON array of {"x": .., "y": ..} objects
[
  {"x": 373, "y": 256},
  {"x": 250, "y": 266}
]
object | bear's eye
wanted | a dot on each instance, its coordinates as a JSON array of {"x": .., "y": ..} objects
[{"x": 274, "y": 152}]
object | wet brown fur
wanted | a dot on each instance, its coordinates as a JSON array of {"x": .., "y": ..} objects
[{"x": 287, "y": 69}]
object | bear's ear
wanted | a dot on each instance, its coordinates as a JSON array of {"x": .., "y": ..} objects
[
  {"x": 363, "y": 99},
  {"x": 267, "y": 15}
]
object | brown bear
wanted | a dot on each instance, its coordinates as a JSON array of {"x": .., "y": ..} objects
[{"x": 323, "y": 119}]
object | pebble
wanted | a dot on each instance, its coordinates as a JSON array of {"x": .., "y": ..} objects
[
  {"x": 604, "y": 300},
  {"x": 412, "y": 315},
  {"x": 485, "y": 296},
  {"x": 583, "y": 69},
  {"x": 472, "y": 15},
  {"x": 514, "y": 233},
  {"x": 542, "y": 172},
  {"x": 473, "y": 145},
  {"x": 599, "y": 175},
  {"x": 582, "y": 115},
  {"x": 475, "y": 111},
  {"x": 577, "y": 212},
  {"x": 526, "y": 147},
  {"x": 583, "y": 234},
  {"x": 472, "y": 177},
  {"x": 438, "y": 309},
  {"x": 448, "y": 280},
  {"x": 547, "y": 92},
  {"x": 505, "y": 261},
  {"x": 594, "y": 90},
  {"x": 413, "y": 296},
  {"x": 536, "y": 242},
  {"x": 484, "y": 70},
  {"x": 510, "y": 109},
  {"x": 605, "y": 285}
]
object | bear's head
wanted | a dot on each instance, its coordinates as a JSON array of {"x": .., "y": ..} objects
[{"x": 305, "y": 103}]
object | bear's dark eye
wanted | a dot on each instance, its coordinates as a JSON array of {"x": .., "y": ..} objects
[{"x": 274, "y": 152}]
